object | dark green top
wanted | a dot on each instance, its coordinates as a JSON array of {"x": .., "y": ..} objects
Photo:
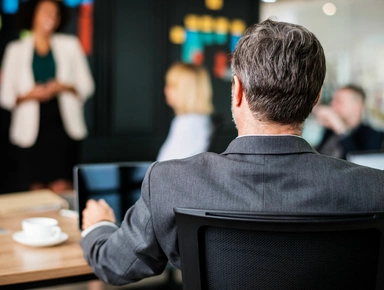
[
  {"x": 44, "y": 67},
  {"x": 44, "y": 70},
  {"x": 53, "y": 155}
]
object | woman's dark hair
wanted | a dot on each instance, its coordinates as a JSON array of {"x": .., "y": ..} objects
[{"x": 27, "y": 12}]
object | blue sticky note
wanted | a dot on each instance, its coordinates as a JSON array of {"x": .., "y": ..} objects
[{"x": 10, "y": 6}]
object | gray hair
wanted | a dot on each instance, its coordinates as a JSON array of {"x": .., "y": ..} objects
[{"x": 282, "y": 69}]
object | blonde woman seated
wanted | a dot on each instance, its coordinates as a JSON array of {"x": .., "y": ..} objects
[{"x": 188, "y": 92}]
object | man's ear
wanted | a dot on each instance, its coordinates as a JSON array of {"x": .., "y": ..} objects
[
  {"x": 318, "y": 97},
  {"x": 237, "y": 91}
]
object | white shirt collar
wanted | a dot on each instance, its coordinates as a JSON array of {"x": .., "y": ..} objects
[{"x": 268, "y": 135}]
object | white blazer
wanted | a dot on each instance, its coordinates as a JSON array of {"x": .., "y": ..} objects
[{"x": 18, "y": 79}]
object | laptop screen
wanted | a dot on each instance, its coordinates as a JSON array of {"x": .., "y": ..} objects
[
  {"x": 119, "y": 184},
  {"x": 370, "y": 159}
]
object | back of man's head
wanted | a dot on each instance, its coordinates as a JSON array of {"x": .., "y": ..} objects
[{"x": 282, "y": 68}]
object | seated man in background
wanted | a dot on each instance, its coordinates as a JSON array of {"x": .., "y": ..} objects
[
  {"x": 343, "y": 120},
  {"x": 278, "y": 71}
]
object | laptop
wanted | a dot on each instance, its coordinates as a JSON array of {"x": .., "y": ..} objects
[
  {"x": 374, "y": 159},
  {"x": 119, "y": 184}
]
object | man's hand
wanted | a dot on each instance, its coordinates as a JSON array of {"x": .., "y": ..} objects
[
  {"x": 97, "y": 211},
  {"x": 329, "y": 119}
]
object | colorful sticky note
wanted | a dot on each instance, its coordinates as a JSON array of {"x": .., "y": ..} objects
[
  {"x": 214, "y": 4},
  {"x": 10, "y": 6},
  {"x": 72, "y": 3}
]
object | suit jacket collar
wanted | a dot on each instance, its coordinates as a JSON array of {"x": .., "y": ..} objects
[{"x": 278, "y": 144}]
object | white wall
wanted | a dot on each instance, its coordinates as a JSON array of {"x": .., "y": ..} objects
[{"x": 353, "y": 41}]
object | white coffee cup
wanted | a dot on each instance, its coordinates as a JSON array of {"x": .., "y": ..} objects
[{"x": 41, "y": 229}]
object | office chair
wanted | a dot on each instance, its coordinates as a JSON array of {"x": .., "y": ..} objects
[{"x": 248, "y": 250}]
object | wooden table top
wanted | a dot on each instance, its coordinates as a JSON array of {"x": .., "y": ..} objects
[{"x": 23, "y": 264}]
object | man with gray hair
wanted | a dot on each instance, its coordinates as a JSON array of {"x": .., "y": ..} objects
[{"x": 278, "y": 71}]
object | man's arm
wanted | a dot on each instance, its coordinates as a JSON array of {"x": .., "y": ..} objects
[
  {"x": 129, "y": 253},
  {"x": 329, "y": 119}
]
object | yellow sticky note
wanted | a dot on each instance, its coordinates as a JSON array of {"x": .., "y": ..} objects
[
  {"x": 214, "y": 4},
  {"x": 177, "y": 34}
]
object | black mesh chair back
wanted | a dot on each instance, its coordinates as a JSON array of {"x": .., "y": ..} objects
[{"x": 247, "y": 250}]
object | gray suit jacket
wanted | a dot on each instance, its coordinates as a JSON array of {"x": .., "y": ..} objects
[{"x": 255, "y": 173}]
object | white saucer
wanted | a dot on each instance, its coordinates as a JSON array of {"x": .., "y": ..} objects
[{"x": 21, "y": 238}]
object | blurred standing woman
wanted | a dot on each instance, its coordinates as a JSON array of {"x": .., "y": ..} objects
[
  {"x": 46, "y": 80},
  {"x": 188, "y": 91}
]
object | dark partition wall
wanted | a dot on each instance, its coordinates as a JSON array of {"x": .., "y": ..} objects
[
  {"x": 128, "y": 112},
  {"x": 7, "y": 163},
  {"x": 133, "y": 84},
  {"x": 128, "y": 118}
]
